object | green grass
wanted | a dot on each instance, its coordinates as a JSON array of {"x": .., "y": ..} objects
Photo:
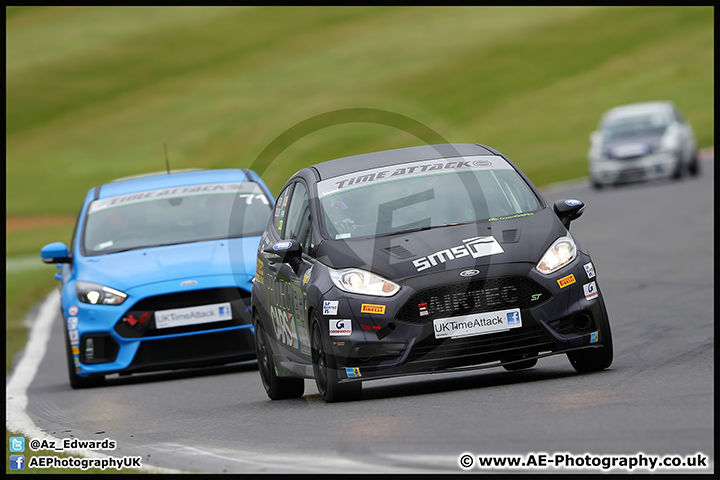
[{"x": 93, "y": 93}]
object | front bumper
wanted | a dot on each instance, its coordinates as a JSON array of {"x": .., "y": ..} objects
[
  {"x": 103, "y": 342},
  {"x": 384, "y": 341},
  {"x": 637, "y": 169}
]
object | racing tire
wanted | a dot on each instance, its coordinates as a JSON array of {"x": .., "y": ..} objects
[
  {"x": 76, "y": 381},
  {"x": 326, "y": 372},
  {"x": 694, "y": 166},
  {"x": 277, "y": 388},
  {"x": 678, "y": 172},
  {"x": 594, "y": 359},
  {"x": 520, "y": 365}
]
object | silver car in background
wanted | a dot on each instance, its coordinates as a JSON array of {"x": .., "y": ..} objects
[{"x": 642, "y": 141}]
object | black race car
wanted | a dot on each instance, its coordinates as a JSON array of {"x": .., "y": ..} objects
[{"x": 419, "y": 260}]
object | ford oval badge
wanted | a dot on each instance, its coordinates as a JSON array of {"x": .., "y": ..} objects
[
  {"x": 469, "y": 273},
  {"x": 187, "y": 283}
]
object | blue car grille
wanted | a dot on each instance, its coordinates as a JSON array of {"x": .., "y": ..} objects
[
  {"x": 139, "y": 321},
  {"x": 478, "y": 296}
]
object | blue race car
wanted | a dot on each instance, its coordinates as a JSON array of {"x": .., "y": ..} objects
[{"x": 159, "y": 272}]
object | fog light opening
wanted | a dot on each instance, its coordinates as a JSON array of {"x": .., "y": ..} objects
[
  {"x": 365, "y": 353},
  {"x": 582, "y": 321},
  {"x": 89, "y": 349}
]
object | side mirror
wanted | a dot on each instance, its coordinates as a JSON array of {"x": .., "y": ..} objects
[
  {"x": 287, "y": 251},
  {"x": 55, "y": 253},
  {"x": 568, "y": 210}
]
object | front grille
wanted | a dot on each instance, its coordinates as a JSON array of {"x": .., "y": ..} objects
[
  {"x": 142, "y": 314},
  {"x": 494, "y": 346},
  {"x": 196, "y": 350},
  {"x": 473, "y": 297}
]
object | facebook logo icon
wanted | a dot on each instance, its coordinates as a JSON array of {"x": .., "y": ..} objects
[
  {"x": 513, "y": 318},
  {"x": 17, "y": 462}
]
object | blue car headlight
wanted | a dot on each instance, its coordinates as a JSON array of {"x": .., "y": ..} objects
[{"x": 88, "y": 292}]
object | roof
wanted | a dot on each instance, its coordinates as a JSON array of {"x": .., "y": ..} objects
[
  {"x": 142, "y": 183},
  {"x": 633, "y": 109},
  {"x": 366, "y": 161}
]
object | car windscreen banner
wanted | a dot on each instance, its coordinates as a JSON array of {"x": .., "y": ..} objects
[
  {"x": 404, "y": 171},
  {"x": 250, "y": 190}
]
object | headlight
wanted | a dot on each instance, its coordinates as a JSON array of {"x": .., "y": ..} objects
[
  {"x": 560, "y": 253},
  {"x": 354, "y": 280},
  {"x": 98, "y": 294}
]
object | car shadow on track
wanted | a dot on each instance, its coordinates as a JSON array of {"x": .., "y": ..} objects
[
  {"x": 169, "y": 375},
  {"x": 425, "y": 386}
]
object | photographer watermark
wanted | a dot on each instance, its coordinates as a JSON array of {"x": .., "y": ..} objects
[
  {"x": 586, "y": 461},
  {"x": 18, "y": 460}
]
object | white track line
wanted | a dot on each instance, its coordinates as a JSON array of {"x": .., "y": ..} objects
[{"x": 16, "y": 419}]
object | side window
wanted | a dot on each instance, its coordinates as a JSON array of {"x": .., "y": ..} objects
[
  {"x": 71, "y": 247},
  {"x": 279, "y": 214},
  {"x": 298, "y": 217},
  {"x": 678, "y": 116}
]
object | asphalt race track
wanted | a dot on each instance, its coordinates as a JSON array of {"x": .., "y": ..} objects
[{"x": 652, "y": 246}]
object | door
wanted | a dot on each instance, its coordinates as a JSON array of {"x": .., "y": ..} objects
[{"x": 287, "y": 303}]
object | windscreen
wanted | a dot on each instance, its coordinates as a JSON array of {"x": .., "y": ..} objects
[
  {"x": 622, "y": 127},
  {"x": 423, "y": 195},
  {"x": 175, "y": 215}
]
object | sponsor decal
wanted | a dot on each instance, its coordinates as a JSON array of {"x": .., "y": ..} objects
[
  {"x": 353, "y": 372},
  {"x": 179, "y": 317},
  {"x": 477, "y": 324},
  {"x": 423, "y": 308},
  {"x": 572, "y": 202},
  {"x": 339, "y": 344},
  {"x": 565, "y": 281},
  {"x": 475, "y": 247},
  {"x": 74, "y": 337},
  {"x": 370, "y": 308},
  {"x": 594, "y": 337},
  {"x": 73, "y": 310},
  {"x": 530, "y": 214},
  {"x": 285, "y": 328},
  {"x": 76, "y": 351},
  {"x": 188, "y": 283},
  {"x": 469, "y": 273},
  {"x": 513, "y": 319},
  {"x": 72, "y": 323},
  {"x": 175, "y": 192},
  {"x": 409, "y": 170},
  {"x": 340, "y": 327},
  {"x": 590, "y": 290},
  {"x": 330, "y": 307},
  {"x": 306, "y": 277},
  {"x": 140, "y": 320},
  {"x": 282, "y": 246},
  {"x": 589, "y": 269}
]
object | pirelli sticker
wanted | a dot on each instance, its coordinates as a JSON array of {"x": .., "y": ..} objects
[
  {"x": 565, "y": 281},
  {"x": 370, "y": 308}
]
